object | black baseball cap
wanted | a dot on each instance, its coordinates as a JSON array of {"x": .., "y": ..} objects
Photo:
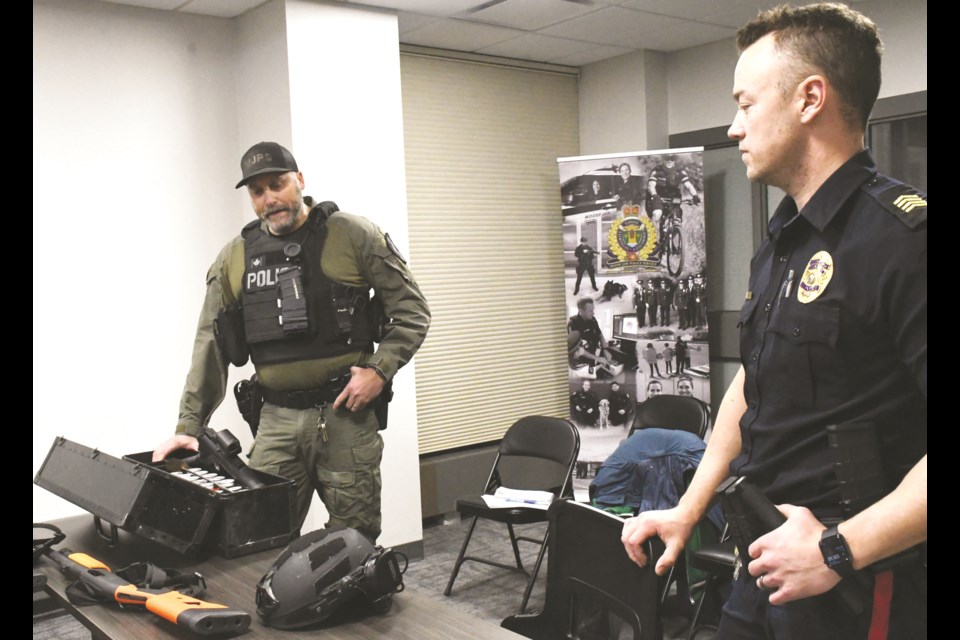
[{"x": 265, "y": 157}]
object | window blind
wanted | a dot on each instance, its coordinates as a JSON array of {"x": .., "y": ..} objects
[{"x": 483, "y": 193}]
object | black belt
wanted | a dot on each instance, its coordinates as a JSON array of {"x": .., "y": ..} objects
[{"x": 306, "y": 398}]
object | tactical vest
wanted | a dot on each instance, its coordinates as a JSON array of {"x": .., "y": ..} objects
[{"x": 291, "y": 310}]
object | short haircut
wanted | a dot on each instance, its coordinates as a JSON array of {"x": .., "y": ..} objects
[
  {"x": 828, "y": 38},
  {"x": 583, "y": 302}
]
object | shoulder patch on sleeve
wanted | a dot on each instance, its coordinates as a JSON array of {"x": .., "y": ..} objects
[
  {"x": 906, "y": 203},
  {"x": 393, "y": 248}
]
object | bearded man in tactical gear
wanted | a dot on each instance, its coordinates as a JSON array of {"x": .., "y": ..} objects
[{"x": 293, "y": 293}]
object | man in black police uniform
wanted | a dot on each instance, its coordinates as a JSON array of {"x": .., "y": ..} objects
[
  {"x": 292, "y": 294},
  {"x": 585, "y": 406},
  {"x": 640, "y": 301},
  {"x": 682, "y": 301},
  {"x": 698, "y": 301},
  {"x": 665, "y": 301},
  {"x": 586, "y": 263},
  {"x": 666, "y": 181},
  {"x": 621, "y": 405},
  {"x": 584, "y": 337},
  {"x": 651, "y": 297},
  {"x": 833, "y": 331}
]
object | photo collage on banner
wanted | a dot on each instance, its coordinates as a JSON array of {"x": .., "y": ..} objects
[{"x": 635, "y": 277}]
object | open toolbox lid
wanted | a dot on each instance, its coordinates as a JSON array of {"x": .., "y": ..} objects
[
  {"x": 103, "y": 485},
  {"x": 129, "y": 495}
]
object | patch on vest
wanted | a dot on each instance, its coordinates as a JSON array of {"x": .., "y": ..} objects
[
  {"x": 393, "y": 248},
  {"x": 906, "y": 203}
]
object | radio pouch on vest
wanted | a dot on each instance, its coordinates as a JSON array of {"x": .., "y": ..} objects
[
  {"x": 229, "y": 334},
  {"x": 293, "y": 301}
]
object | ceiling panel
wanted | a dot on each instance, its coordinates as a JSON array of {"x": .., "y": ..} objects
[
  {"x": 568, "y": 32},
  {"x": 687, "y": 9},
  {"x": 442, "y": 8},
  {"x": 686, "y": 34},
  {"x": 528, "y": 15},
  {"x": 611, "y": 26},
  {"x": 595, "y": 54},
  {"x": 531, "y": 46},
  {"x": 168, "y": 5},
  {"x": 221, "y": 8},
  {"x": 735, "y": 13},
  {"x": 407, "y": 21},
  {"x": 459, "y": 35}
]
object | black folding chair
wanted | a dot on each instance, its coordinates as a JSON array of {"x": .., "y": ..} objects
[
  {"x": 550, "y": 445},
  {"x": 594, "y": 590}
]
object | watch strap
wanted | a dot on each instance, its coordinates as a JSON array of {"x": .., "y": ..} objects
[{"x": 836, "y": 553}]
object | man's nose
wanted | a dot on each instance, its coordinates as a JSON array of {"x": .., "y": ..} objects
[{"x": 735, "y": 132}]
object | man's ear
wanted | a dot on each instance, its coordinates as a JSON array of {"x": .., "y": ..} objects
[{"x": 813, "y": 92}]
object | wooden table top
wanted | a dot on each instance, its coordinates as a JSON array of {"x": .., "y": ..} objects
[{"x": 232, "y": 582}]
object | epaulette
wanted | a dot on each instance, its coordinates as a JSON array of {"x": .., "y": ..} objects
[
  {"x": 326, "y": 209},
  {"x": 253, "y": 225},
  {"x": 908, "y": 204}
]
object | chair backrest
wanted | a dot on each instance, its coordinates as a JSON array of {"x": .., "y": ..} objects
[
  {"x": 593, "y": 588},
  {"x": 539, "y": 439},
  {"x": 542, "y": 437},
  {"x": 673, "y": 412}
]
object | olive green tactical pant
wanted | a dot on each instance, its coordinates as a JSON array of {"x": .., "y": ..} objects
[{"x": 344, "y": 470}]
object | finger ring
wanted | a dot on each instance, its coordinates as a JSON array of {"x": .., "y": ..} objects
[{"x": 760, "y": 583}]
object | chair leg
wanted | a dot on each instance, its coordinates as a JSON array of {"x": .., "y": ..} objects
[
  {"x": 516, "y": 548},
  {"x": 533, "y": 574},
  {"x": 463, "y": 549},
  {"x": 708, "y": 585},
  {"x": 667, "y": 581}
]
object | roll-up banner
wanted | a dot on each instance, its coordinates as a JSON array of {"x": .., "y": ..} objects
[{"x": 635, "y": 277}]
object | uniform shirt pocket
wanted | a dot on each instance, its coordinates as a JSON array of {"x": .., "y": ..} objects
[{"x": 803, "y": 352}]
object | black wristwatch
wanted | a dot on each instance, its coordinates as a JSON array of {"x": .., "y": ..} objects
[{"x": 836, "y": 553}]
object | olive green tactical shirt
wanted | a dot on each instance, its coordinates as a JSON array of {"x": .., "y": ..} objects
[{"x": 356, "y": 253}]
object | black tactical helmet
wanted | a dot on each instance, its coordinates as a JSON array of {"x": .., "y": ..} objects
[{"x": 320, "y": 571}]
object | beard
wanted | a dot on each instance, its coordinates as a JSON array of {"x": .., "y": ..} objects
[{"x": 283, "y": 224}]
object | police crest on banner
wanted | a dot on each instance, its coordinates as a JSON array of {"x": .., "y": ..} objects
[{"x": 631, "y": 240}]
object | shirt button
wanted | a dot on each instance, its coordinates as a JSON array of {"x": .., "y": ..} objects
[
  {"x": 783, "y": 258},
  {"x": 754, "y": 357},
  {"x": 796, "y": 332},
  {"x": 767, "y": 306},
  {"x": 753, "y": 405}
]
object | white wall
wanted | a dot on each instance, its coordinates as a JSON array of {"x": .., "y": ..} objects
[
  {"x": 133, "y": 148},
  {"x": 903, "y": 29},
  {"x": 140, "y": 118},
  {"x": 700, "y": 85},
  {"x": 347, "y": 125},
  {"x": 613, "y": 108},
  {"x": 700, "y": 80}
]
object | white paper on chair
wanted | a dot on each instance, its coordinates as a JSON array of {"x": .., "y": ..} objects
[{"x": 505, "y": 498}]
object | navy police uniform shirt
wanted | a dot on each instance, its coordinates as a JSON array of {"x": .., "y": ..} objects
[
  {"x": 834, "y": 330},
  {"x": 589, "y": 330}
]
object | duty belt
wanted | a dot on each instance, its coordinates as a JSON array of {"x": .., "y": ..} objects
[{"x": 306, "y": 398}]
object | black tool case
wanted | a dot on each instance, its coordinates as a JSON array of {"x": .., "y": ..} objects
[{"x": 142, "y": 497}]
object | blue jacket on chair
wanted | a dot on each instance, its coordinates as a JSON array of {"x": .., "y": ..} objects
[{"x": 646, "y": 472}]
